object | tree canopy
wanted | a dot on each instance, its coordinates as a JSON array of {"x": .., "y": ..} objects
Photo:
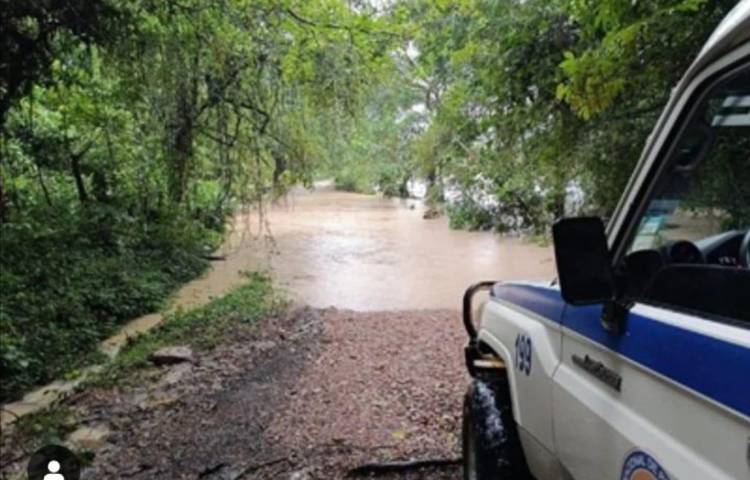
[{"x": 131, "y": 130}]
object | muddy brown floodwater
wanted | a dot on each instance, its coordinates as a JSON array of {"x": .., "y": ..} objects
[
  {"x": 364, "y": 252},
  {"x": 346, "y": 250},
  {"x": 368, "y": 369}
]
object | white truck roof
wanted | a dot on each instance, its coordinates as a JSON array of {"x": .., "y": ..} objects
[
  {"x": 730, "y": 34},
  {"x": 732, "y": 31}
]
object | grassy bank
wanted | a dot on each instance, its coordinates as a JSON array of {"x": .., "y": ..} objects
[
  {"x": 201, "y": 328},
  {"x": 67, "y": 281},
  {"x": 204, "y": 327}
]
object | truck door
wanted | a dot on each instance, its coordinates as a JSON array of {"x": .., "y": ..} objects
[{"x": 669, "y": 396}]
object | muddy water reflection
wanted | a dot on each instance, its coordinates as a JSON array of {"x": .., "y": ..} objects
[
  {"x": 346, "y": 250},
  {"x": 369, "y": 253}
]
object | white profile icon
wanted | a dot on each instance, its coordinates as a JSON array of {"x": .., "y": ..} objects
[{"x": 53, "y": 467}]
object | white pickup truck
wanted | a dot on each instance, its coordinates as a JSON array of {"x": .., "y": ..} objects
[{"x": 635, "y": 363}]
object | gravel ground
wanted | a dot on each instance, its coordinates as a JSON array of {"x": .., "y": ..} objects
[
  {"x": 384, "y": 386},
  {"x": 310, "y": 395}
]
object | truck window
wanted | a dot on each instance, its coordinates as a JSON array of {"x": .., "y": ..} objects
[{"x": 696, "y": 222}]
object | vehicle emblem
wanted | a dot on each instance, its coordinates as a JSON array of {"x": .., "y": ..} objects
[
  {"x": 599, "y": 370},
  {"x": 639, "y": 465}
]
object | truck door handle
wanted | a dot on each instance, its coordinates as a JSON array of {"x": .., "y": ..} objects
[{"x": 600, "y": 371}]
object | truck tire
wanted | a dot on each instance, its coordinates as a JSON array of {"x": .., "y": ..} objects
[{"x": 491, "y": 447}]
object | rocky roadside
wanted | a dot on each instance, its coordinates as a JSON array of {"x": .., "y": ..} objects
[{"x": 311, "y": 394}]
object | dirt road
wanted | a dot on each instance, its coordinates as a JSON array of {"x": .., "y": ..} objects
[{"x": 310, "y": 395}]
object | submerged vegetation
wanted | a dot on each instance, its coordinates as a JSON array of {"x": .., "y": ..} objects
[{"x": 130, "y": 130}]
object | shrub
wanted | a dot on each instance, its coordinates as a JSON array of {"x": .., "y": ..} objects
[{"x": 69, "y": 279}]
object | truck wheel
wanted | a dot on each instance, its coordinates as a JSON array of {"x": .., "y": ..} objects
[{"x": 491, "y": 447}]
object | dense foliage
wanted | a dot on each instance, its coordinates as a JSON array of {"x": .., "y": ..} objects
[
  {"x": 533, "y": 108},
  {"x": 131, "y": 130}
]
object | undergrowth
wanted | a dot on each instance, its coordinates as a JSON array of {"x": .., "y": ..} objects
[
  {"x": 69, "y": 280},
  {"x": 201, "y": 328}
]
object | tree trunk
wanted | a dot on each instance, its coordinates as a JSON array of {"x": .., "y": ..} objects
[
  {"x": 431, "y": 177},
  {"x": 100, "y": 186},
  {"x": 3, "y": 203},
  {"x": 75, "y": 165},
  {"x": 182, "y": 144},
  {"x": 40, "y": 178},
  {"x": 279, "y": 168}
]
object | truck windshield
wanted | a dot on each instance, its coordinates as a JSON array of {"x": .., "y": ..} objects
[{"x": 708, "y": 189}]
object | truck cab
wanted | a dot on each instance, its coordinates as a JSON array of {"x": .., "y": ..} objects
[{"x": 634, "y": 364}]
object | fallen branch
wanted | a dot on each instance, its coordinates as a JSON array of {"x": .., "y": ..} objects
[
  {"x": 214, "y": 258},
  {"x": 390, "y": 467},
  {"x": 350, "y": 447},
  {"x": 211, "y": 470}
]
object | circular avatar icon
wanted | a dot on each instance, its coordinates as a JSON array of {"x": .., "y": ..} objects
[
  {"x": 54, "y": 462},
  {"x": 640, "y": 465}
]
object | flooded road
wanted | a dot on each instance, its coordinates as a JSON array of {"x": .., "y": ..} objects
[
  {"x": 364, "y": 252},
  {"x": 346, "y": 250}
]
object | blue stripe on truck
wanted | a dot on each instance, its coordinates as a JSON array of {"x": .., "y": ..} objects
[
  {"x": 712, "y": 367},
  {"x": 544, "y": 301}
]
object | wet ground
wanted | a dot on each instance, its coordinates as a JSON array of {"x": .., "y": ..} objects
[
  {"x": 379, "y": 377},
  {"x": 312, "y": 395}
]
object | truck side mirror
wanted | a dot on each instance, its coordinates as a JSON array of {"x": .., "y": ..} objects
[
  {"x": 584, "y": 268},
  {"x": 584, "y": 265}
]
